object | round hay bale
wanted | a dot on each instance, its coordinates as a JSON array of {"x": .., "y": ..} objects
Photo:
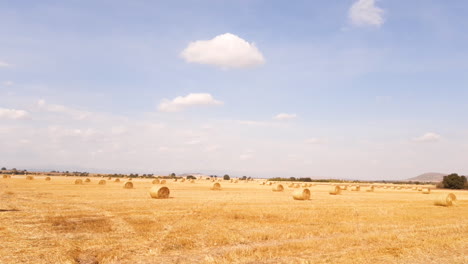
[
  {"x": 117, "y": 180},
  {"x": 155, "y": 181},
  {"x": 371, "y": 189},
  {"x": 87, "y": 180},
  {"x": 129, "y": 179},
  {"x": 162, "y": 182},
  {"x": 419, "y": 189},
  {"x": 192, "y": 181},
  {"x": 110, "y": 178},
  {"x": 175, "y": 180},
  {"x": 344, "y": 187},
  {"x": 182, "y": 180},
  {"x": 157, "y": 192},
  {"x": 445, "y": 199},
  {"x": 297, "y": 185},
  {"x": 29, "y": 178},
  {"x": 278, "y": 188},
  {"x": 47, "y": 178},
  {"x": 270, "y": 183},
  {"x": 5, "y": 177},
  {"x": 302, "y": 194},
  {"x": 78, "y": 181},
  {"x": 102, "y": 182},
  {"x": 305, "y": 185},
  {"x": 426, "y": 191},
  {"x": 216, "y": 186},
  {"x": 335, "y": 190},
  {"x": 128, "y": 185},
  {"x": 236, "y": 181},
  {"x": 356, "y": 188}
]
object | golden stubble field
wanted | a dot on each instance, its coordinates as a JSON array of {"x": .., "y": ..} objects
[{"x": 59, "y": 222}]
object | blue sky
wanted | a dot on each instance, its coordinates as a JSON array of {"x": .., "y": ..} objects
[{"x": 347, "y": 89}]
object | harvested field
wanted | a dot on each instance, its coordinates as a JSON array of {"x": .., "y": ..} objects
[{"x": 60, "y": 222}]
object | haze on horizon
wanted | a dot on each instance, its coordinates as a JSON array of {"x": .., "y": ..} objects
[{"x": 357, "y": 89}]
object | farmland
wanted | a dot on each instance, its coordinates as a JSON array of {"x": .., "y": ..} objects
[{"x": 57, "y": 221}]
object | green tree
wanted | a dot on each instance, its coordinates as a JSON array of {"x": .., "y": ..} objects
[
  {"x": 453, "y": 181},
  {"x": 172, "y": 175},
  {"x": 3, "y": 168},
  {"x": 226, "y": 177}
]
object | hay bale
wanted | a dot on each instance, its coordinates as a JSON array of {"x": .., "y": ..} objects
[
  {"x": 192, "y": 181},
  {"x": 182, "y": 180},
  {"x": 344, "y": 187},
  {"x": 419, "y": 189},
  {"x": 162, "y": 182},
  {"x": 445, "y": 199},
  {"x": 356, "y": 188},
  {"x": 29, "y": 178},
  {"x": 87, "y": 180},
  {"x": 426, "y": 191},
  {"x": 175, "y": 180},
  {"x": 297, "y": 185},
  {"x": 236, "y": 181},
  {"x": 156, "y": 181},
  {"x": 305, "y": 185},
  {"x": 335, "y": 190},
  {"x": 216, "y": 187},
  {"x": 47, "y": 178},
  {"x": 117, "y": 180},
  {"x": 371, "y": 189},
  {"x": 78, "y": 181},
  {"x": 110, "y": 178},
  {"x": 278, "y": 188},
  {"x": 128, "y": 185},
  {"x": 102, "y": 182},
  {"x": 157, "y": 192},
  {"x": 6, "y": 176},
  {"x": 270, "y": 183},
  {"x": 302, "y": 194}
]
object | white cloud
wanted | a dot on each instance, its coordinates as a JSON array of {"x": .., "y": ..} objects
[
  {"x": 284, "y": 116},
  {"x": 7, "y": 83},
  {"x": 226, "y": 51},
  {"x": 181, "y": 102},
  {"x": 315, "y": 141},
  {"x": 13, "y": 114},
  {"x": 61, "y": 109},
  {"x": 428, "y": 137},
  {"x": 366, "y": 13},
  {"x": 4, "y": 64}
]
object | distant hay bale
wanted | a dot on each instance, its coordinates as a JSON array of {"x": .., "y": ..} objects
[
  {"x": 5, "y": 176},
  {"x": 216, "y": 186},
  {"x": 278, "y": 188},
  {"x": 175, "y": 180},
  {"x": 445, "y": 199},
  {"x": 155, "y": 181},
  {"x": 110, "y": 178},
  {"x": 356, "y": 188},
  {"x": 47, "y": 178},
  {"x": 419, "y": 189},
  {"x": 163, "y": 182},
  {"x": 305, "y": 185},
  {"x": 270, "y": 183},
  {"x": 78, "y": 181},
  {"x": 291, "y": 185},
  {"x": 157, "y": 192},
  {"x": 117, "y": 180},
  {"x": 102, "y": 182},
  {"x": 87, "y": 180},
  {"x": 302, "y": 194},
  {"x": 182, "y": 180},
  {"x": 335, "y": 190},
  {"x": 371, "y": 189},
  {"x": 29, "y": 178},
  {"x": 426, "y": 191},
  {"x": 192, "y": 181},
  {"x": 128, "y": 185},
  {"x": 344, "y": 187},
  {"x": 130, "y": 179},
  {"x": 297, "y": 185},
  {"x": 236, "y": 181}
]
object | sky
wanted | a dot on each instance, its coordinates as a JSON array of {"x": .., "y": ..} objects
[{"x": 348, "y": 89}]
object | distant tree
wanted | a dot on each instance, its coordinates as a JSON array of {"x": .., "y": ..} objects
[
  {"x": 453, "y": 181},
  {"x": 244, "y": 178},
  {"x": 292, "y": 178},
  {"x": 191, "y": 177},
  {"x": 3, "y": 168},
  {"x": 226, "y": 177},
  {"x": 172, "y": 175}
]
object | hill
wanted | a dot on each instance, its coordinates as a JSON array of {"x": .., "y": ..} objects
[{"x": 429, "y": 177}]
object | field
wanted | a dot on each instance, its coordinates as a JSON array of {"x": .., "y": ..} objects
[{"x": 59, "y": 222}]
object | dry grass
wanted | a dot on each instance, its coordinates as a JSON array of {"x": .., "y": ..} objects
[{"x": 59, "y": 222}]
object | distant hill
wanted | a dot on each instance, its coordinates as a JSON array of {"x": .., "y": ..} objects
[{"x": 429, "y": 177}]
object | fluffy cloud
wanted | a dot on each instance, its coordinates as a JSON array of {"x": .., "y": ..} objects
[
  {"x": 428, "y": 137},
  {"x": 284, "y": 116},
  {"x": 315, "y": 141},
  {"x": 226, "y": 51},
  {"x": 4, "y": 64},
  {"x": 366, "y": 13},
  {"x": 61, "y": 109},
  {"x": 7, "y": 83},
  {"x": 13, "y": 114},
  {"x": 181, "y": 102}
]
